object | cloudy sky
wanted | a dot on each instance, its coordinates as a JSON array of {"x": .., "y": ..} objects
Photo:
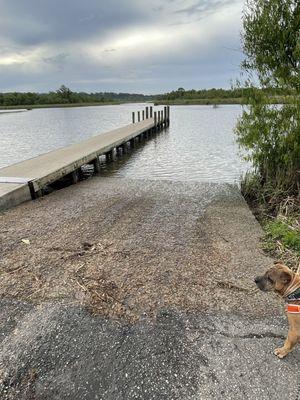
[{"x": 119, "y": 45}]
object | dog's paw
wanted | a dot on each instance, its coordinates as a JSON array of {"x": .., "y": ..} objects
[{"x": 280, "y": 352}]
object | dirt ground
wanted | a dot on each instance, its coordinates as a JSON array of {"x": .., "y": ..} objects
[{"x": 129, "y": 248}]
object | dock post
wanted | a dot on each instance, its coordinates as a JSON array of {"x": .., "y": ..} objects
[
  {"x": 165, "y": 116},
  {"x": 139, "y": 116},
  {"x": 74, "y": 177},
  {"x": 109, "y": 156},
  {"x": 118, "y": 151},
  {"x": 151, "y": 112},
  {"x": 147, "y": 112},
  {"x": 96, "y": 164},
  {"x": 168, "y": 115},
  {"x": 158, "y": 120},
  {"x": 155, "y": 121},
  {"x": 133, "y": 117},
  {"x": 124, "y": 148},
  {"x": 131, "y": 141},
  {"x": 143, "y": 114}
]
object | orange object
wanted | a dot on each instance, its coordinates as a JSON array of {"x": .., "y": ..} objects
[{"x": 293, "y": 308}]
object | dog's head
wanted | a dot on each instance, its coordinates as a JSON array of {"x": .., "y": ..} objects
[{"x": 277, "y": 278}]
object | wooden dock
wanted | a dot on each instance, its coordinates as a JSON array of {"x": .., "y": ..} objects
[{"x": 28, "y": 179}]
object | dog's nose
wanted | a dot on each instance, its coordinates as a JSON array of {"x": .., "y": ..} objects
[{"x": 256, "y": 280}]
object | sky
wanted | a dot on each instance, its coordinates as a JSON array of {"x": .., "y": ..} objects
[{"x": 133, "y": 46}]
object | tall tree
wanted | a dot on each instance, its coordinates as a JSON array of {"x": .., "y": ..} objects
[{"x": 271, "y": 135}]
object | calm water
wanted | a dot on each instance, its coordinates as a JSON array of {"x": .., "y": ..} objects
[{"x": 199, "y": 144}]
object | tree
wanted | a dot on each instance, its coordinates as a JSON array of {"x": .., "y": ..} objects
[
  {"x": 271, "y": 135},
  {"x": 65, "y": 94},
  {"x": 271, "y": 41}
]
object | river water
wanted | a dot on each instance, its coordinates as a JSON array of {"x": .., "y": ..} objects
[{"x": 199, "y": 145}]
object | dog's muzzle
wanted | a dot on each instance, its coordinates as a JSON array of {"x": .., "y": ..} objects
[{"x": 260, "y": 282}]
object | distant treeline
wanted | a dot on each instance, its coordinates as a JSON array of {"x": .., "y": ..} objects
[
  {"x": 66, "y": 96},
  {"x": 210, "y": 94}
]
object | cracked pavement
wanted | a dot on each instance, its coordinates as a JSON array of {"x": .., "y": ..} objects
[{"x": 192, "y": 326}]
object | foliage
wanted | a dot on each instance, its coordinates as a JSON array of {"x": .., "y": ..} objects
[
  {"x": 287, "y": 235},
  {"x": 271, "y": 41},
  {"x": 282, "y": 239},
  {"x": 65, "y": 96},
  {"x": 207, "y": 94},
  {"x": 271, "y": 134}
]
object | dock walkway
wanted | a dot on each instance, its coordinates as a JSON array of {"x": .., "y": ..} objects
[{"x": 25, "y": 180}]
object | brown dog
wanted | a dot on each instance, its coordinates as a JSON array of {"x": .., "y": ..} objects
[{"x": 286, "y": 283}]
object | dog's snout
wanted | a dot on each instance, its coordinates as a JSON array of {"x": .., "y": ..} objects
[{"x": 256, "y": 279}]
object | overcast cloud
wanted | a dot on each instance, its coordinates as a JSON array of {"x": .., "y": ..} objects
[{"x": 119, "y": 45}]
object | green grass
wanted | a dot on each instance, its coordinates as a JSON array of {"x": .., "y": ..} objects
[{"x": 280, "y": 232}]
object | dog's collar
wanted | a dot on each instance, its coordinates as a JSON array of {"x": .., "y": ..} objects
[
  {"x": 292, "y": 308},
  {"x": 293, "y": 296}
]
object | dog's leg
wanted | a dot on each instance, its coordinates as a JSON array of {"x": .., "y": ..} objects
[
  {"x": 293, "y": 336},
  {"x": 292, "y": 339}
]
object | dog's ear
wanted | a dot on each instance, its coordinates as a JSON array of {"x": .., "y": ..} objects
[
  {"x": 285, "y": 277},
  {"x": 278, "y": 262}
]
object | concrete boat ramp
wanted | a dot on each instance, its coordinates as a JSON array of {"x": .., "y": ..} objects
[{"x": 132, "y": 289}]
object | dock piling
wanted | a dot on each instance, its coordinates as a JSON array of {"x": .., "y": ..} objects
[
  {"x": 139, "y": 116},
  {"x": 109, "y": 156},
  {"x": 131, "y": 141},
  {"x": 133, "y": 117},
  {"x": 165, "y": 115},
  {"x": 151, "y": 111},
  {"x": 147, "y": 112},
  {"x": 143, "y": 114},
  {"x": 74, "y": 177},
  {"x": 96, "y": 164},
  {"x": 124, "y": 148}
]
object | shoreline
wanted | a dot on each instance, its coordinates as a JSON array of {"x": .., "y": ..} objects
[
  {"x": 215, "y": 101},
  {"x": 63, "y": 105},
  {"x": 176, "y": 102}
]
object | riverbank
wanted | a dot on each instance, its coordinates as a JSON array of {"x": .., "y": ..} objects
[
  {"x": 178, "y": 102},
  {"x": 60, "y": 105},
  {"x": 216, "y": 101},
  {"x": 280, "y": 221},
  {"x": 200, "y": 102},
  {"x": 278, "y": 211}
]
